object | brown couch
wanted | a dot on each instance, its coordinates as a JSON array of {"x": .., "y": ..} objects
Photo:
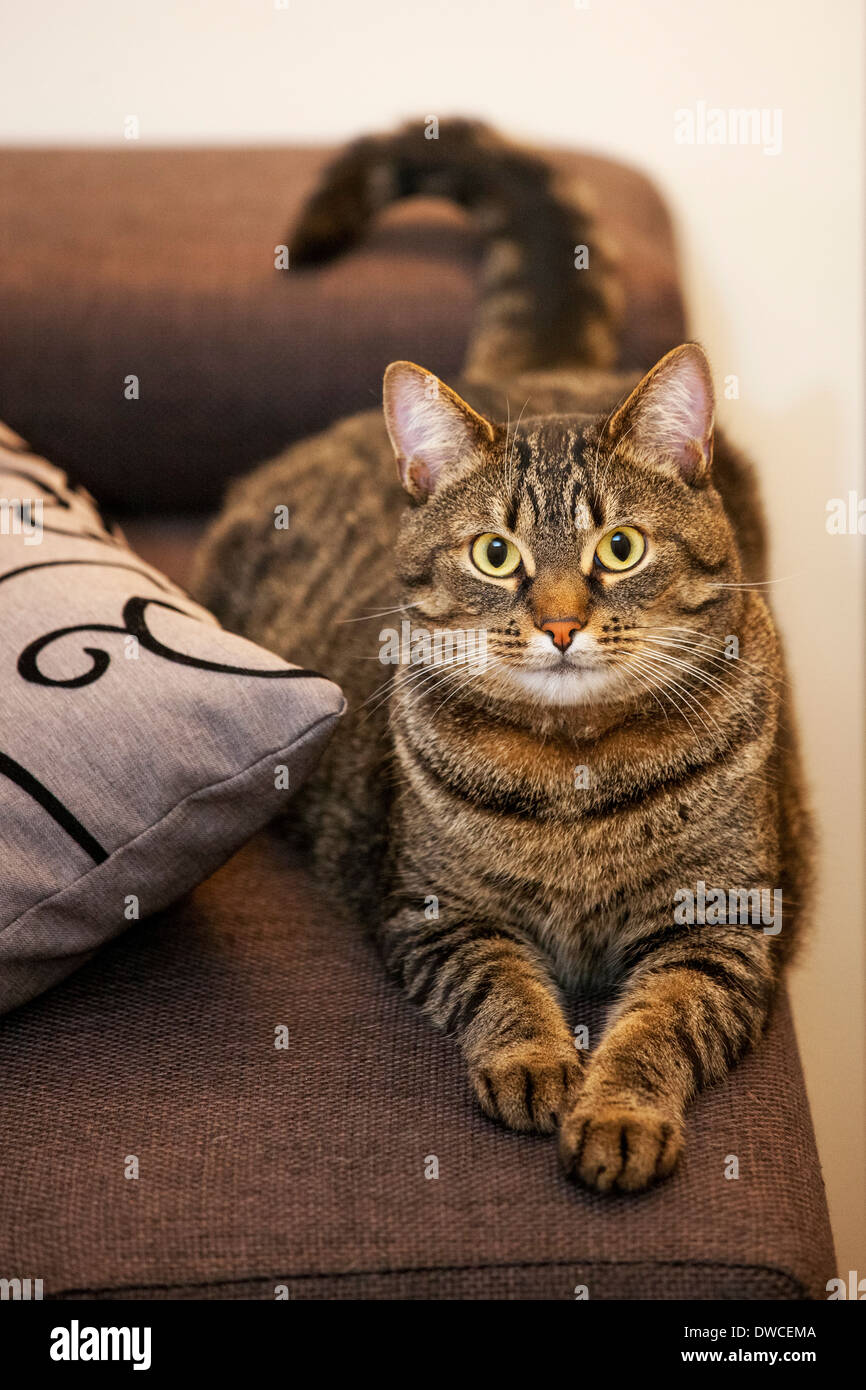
[{"x": 305, "y": 1166}]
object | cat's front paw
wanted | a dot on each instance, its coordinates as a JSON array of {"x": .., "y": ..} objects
[
  {"x": 618, "y": 1148},
  {"x": 527, "y": 1086}
]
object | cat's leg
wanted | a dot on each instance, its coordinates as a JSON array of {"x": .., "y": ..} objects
[
  {"x": 493, "y": 989},
  {"x": 690, "y": 1008}
]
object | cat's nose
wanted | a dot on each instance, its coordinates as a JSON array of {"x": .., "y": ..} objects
[{"x": 561, "y": 630}]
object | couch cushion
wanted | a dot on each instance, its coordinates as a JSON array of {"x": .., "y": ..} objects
[
  {"x": 304, "y": 1166},
  {"x": 159, "y": 264},
  {"x": 140, "y": 744}
]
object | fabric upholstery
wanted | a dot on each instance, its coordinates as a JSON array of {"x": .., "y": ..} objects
[
  {"x": 305, "y": 1166},
  {"x": 159, "y": 264}
]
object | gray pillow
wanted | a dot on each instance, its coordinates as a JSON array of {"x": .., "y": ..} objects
[{"x": 140, "y": 743}]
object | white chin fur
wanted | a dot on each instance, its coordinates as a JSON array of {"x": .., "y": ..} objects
[{"x": 562, "y": 685}]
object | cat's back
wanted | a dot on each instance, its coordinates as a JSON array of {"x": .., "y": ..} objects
[{"x": 304, "y": 546}]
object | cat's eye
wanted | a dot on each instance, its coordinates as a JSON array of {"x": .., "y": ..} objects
[
  {"x": 494, "y": 555},
  {"x": 620, "y": 549}
]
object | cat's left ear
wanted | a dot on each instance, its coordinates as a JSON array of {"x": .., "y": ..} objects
[
  {"x": 431, "y": 429},
  {"x": 670, "y": 414}
]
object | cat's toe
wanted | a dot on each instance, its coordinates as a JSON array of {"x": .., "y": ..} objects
[
  {"x": 527, "y": 1087},
  {"x": 615, "y": 1148}
]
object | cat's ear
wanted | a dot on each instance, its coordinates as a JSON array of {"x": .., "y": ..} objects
[
  {"x": 669, "y": 414},
  {"x": 431, "y": 429}
]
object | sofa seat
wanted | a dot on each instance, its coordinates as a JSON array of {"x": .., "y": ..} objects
[{"x": 305, "y": 1166}]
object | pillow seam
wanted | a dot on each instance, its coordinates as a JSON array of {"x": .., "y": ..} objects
[{"x": 285, "y": 748}]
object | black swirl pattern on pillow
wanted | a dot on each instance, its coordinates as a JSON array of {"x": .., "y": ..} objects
[
  {"x": 134, "y": 625},
  {"x": 77, "y": 517}
]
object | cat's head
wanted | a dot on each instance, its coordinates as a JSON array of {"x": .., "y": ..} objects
[{"x": 589, "y": 553}]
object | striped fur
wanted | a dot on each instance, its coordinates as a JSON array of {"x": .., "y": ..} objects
[
  {"x": 448, "y": 812},
  {"x": 536, "y": 312}
]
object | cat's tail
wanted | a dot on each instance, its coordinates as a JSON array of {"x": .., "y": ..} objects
[{"x": 549, "y": 289}]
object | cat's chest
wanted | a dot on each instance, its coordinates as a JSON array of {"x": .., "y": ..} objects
[
  {"x": 533, "y": 851},
  {"x": 573, "y": 888}
]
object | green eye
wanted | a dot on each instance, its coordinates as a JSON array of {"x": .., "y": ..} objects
[
  {"x": 494, "y": 555},
  {"x": 620, "y": 549}
]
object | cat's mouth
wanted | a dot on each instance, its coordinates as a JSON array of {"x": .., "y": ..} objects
[
  {"x": 562, "y": 679},
  {"x": 563, "y": 668},
  {"x": 565, "y": 662}
]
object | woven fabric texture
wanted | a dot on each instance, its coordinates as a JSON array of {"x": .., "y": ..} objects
[
  {"x": 305, "y": 1165},
  {"x": 159, "y": 264}
]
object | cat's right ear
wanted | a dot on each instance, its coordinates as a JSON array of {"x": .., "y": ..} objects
[
  {"x": 669, "y": 415},
  {"x": 431, "y": 429}
]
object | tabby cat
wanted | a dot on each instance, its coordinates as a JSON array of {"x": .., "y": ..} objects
[{"x": 587, "y": 728}]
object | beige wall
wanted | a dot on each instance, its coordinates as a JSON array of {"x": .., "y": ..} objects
[{"x": 771, "y": 248}]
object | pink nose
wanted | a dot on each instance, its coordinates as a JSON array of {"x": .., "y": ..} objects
[{"x": 561, "y": 630}]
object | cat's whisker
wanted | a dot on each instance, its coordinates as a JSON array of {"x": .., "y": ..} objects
[
  {"x": 461, "y": 686},
  {"x": 384, "y": 691},
  {"x": 428, "y": 677},
  {"x": 601, "y": 435},
  {"x": 674, "y": 627},
  {"x": 699, "y": 706},
  {"x": 722, "y": 663},
  {"x": 509, "y": 481},
  {"x": 759, "y": 583},
  {"x": 423, "y": 672},
  {"x": 423, "y": 689},
  {"x": 663, "y": 688},
  {"x": 411, "y": 691},
  {"x": 385, "y": 686},
  {"x": 655, "y": 659},
  {"x": 705, "y": 678},
  {"x": 644, "y": 684},
  {"x": 510, "y": 462},
  {"x": 732, "y": 664},
  {"x": 610, "y": 458},
  {"x": 703, "y": 646},
  {"x": 384, "y": 613}
]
